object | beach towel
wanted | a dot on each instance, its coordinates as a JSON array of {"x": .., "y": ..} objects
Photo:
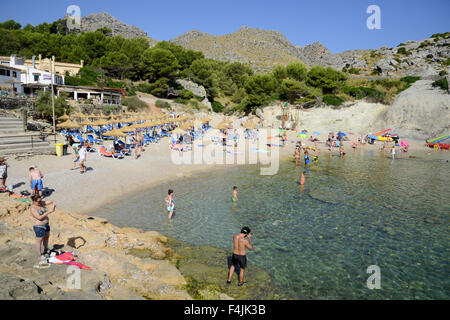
[{"x": 67, "y": 259}]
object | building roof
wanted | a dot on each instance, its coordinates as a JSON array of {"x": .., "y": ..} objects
[
  {"x": 89, "y": 88},
  {"x": 8, "y": 67}
]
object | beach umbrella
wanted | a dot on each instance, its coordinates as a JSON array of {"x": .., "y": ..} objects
[
  {"x": 179, "y": 131},
  {"x": 92, "y": 116},
  {"x": 65, "y": 117},
  {"x": 69, "y": 124},
  {"x": 116, "y": 133},
  {"x": 250, "y": 125},
  {"x": 316, "y": 133},
  {"x": 404, "y": 143},
  {"x": 341, "y": 134}
]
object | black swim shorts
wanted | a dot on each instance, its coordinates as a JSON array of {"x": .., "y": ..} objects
[{"x": 239, "y": 260}]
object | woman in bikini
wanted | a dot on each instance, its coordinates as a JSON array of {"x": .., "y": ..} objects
[
  {"x": 170, "y": 202},
  {"x": 41, "y": 227}
]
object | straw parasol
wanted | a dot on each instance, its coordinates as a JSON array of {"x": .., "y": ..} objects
[
  {"x": 92, "y": 116},
  {"x": 179, "y": 131},
  {"x": 65, "y": 117},
  {"x": 250, "y": 125},
  {"x": 69, "y": 124},
  {"x": 116, "y": 133}
]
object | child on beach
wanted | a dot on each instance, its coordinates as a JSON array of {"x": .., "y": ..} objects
[
  {"x": 235, "y": 197},
  {"x": 3, "y": 172},
  {"x": 393, "y": 151},
  {"x": 170, "y": 202},
  {"x": 76, "y": 156}
]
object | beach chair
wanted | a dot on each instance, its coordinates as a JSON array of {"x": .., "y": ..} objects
[
  {"x": 150, "y": 139},
  {"x": 126, "y": 145},
  {"x": 165, "y": 134},
  {"x": 92, "y": 140},
  {"x": 103, "y": 153},
  {"x": 80, "y": 139}
]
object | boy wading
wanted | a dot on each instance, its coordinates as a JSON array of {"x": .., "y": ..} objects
[{"x": 239, "y": 257}]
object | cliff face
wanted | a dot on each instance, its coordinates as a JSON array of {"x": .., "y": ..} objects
[{"x": 420, "y": 112}]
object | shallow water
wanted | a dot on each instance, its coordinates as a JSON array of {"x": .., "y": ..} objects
[{"x": 318, "y": 242}]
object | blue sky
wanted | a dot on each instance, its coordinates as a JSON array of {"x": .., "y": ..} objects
[{"x": 338, "y": 24}]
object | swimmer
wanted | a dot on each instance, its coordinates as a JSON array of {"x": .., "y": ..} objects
[
  {"x": 235, "y": 196},
  {"x": 393, "y": 151}
]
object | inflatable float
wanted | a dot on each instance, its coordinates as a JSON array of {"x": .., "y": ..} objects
[{"x": 438, "y": 146}]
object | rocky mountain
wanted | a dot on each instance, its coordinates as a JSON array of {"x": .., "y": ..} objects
[
  {"x": 100, "y": 20},
  {"x": 426, "y": 58},
  {"x": 262, "y": 49}
]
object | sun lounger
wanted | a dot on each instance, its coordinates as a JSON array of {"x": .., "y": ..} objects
[
  {"x": 92, "y": 140},
  {"x": 103, "y": 153}
]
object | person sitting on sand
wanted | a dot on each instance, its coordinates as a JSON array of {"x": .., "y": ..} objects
[
  {"x": 170, "y": 203},
  {"x": 239, "y": 257},
  {"x": 35, "y": 176},
  {"x": 41, "y": 227},
  {"x": 3, "y": 172},
  {"x": 235, "y": 196}
]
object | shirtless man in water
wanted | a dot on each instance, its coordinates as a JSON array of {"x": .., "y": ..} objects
[
  {"x": 239, "y": 255},
  {"x": 41, "y": 227}
]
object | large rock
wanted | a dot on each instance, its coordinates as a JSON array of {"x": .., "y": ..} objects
[
  {"x": 197, "y": 90},
  {"x": 420, "y": 112}
]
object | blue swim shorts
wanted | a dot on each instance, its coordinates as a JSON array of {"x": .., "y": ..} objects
[
  {"x": 41, "y": 231},
  {"x": 37, "y": 185}
]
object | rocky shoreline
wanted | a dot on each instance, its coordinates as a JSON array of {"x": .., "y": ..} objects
[{"x": 117, "y": 271}]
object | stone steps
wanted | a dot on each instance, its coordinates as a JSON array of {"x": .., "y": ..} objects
[{"x": 14, "y": 140}]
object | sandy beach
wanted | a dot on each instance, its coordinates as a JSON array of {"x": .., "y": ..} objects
[{"x": 108, "y": 179}]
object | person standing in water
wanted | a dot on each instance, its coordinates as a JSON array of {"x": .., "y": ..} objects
[
  {"x": 235, "y": 196},
  {"x": 303, "y": 178},
  {"x": 393, "y": 151},
  {"x": 240, "y": 243},
  {"x": 170, "y": 202}
]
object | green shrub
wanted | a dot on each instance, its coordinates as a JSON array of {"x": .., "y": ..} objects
[
  {"x": 447, "y": 62},
  {"x": 403, "y": 51},
  {"x": 441, "y": 83},
  {"x": 401, "y": 45},
  {"x": 371, "y": 94},
  {"x": 443, "y": 73},
  {"x": 162, "y": 104},
  {"x": 144, "y": 87},
  {"x": 217, "y": 107},
  {"x": 410, "y": 79},
  {"x": 134, "y": 103},
  {"x": 186, "y": 94},
  {"x": 331, "y": 99},
  {"x": 109, "y": 109},
  {"x": 354, "y": 70}
]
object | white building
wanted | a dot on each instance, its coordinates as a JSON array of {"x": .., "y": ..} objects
[
  {"x": 33, "y": 79},
  {"x": 10, "y": 79}
]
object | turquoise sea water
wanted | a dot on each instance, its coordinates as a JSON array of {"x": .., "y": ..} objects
[{"x": 318, "y": 241}]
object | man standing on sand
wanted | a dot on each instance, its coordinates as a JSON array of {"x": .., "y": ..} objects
[
  {"x": 35, "y": 176},
  {"x": 240, "y": 243}
]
